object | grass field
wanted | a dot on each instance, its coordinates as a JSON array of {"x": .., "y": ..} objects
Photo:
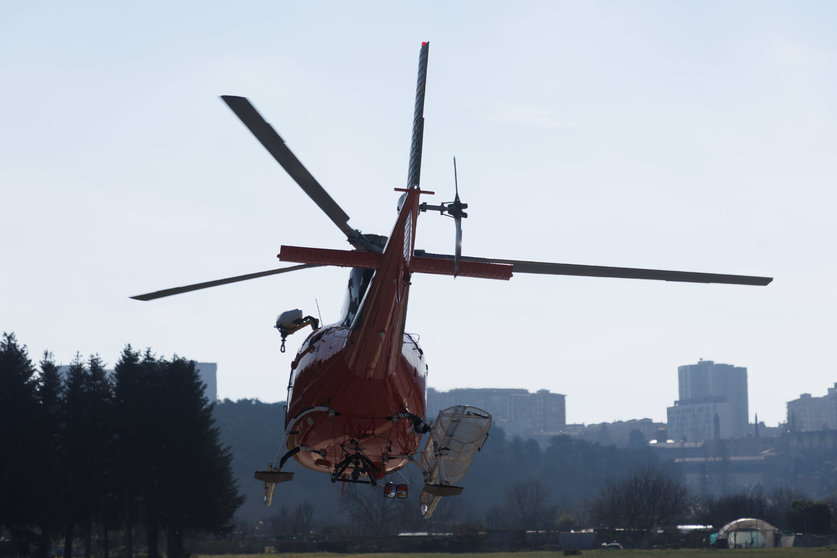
[{"x": 821, "y": 552}]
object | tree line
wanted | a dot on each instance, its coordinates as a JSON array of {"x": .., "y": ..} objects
[
  {"x": 513, "y": 484},
  {"x": 100, "y": 459},
  {"x": 96, "y": 458}
]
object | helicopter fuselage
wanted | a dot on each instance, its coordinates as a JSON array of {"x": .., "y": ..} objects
[
  {"x": 357, "y": 393},
  {"x": 356, "y": 404},
  {"x": 345, "y": 422}
]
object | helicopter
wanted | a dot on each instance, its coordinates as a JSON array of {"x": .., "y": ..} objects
[{"x": 356, "y": 401}]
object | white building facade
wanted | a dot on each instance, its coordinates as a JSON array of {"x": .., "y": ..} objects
[
  {"x": 713, "y": 403},
  {"x": 813, "y": 413}
]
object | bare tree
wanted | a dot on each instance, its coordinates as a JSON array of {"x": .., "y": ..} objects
[
  {"x": 374, "y": 515},
  {"x": 525, "y": 506},
  {"x": 295, "y": 521},
  {"x": 646, "y": 499}
]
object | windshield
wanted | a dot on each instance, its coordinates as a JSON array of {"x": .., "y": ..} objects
[{"x": 358, "y": 284}]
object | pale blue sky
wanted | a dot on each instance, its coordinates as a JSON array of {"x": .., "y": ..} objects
[{"x": 689, "y": 135}]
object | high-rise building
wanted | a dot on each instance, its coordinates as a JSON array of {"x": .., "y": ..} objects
[
  {"x": 516, "y": 411},
  {"x": 208, "y": 372},
  {"x": 813, "y": 413},
  {"x": 712, "y": 404}
]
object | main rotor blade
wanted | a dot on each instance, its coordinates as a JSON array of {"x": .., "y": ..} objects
[
  {"x": 546, "y": 268},
  {"x": 275, "y": 145},
  {"x": 414, "y": 170},
  {"x": 218, "y": 282}
]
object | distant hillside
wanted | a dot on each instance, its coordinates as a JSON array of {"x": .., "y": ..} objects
[
  {"x": 253, "y": 430},
  {"x": 568, "y": 471}
]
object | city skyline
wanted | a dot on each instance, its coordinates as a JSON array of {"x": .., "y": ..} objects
[
  {"x": 694, "y": 386},
  {"x": 209, "y": 373}
]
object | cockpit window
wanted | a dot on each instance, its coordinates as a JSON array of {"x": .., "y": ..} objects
[{"x": 358, "y": 284}]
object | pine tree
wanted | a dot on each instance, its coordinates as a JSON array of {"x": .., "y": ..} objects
[
  {"x": 198, "y": 490},
  {"x": 50, "y": 467},
  {"x": 169, "y": 448},
  {"x": 76, "y": 454},
  {"x": 18, "y": 417},
  {"x": 136, "y": 451},
  {"x": 87, "y": 440},
  {"x": 126, "y": 426},
  {"x": 100, "y": 474}
]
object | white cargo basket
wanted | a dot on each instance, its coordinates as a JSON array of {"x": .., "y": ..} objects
[{"x": 456, "y": 436}]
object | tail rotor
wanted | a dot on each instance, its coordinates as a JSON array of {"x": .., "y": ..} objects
[{"x": 455, "y": 209}]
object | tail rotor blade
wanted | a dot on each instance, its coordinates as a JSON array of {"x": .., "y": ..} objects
[
  {"x": 455, "y": 210},
  {"x": 458, "y": 253},
  {"x": 455, "y": 182},
  {"x": 414, "y": 171}
]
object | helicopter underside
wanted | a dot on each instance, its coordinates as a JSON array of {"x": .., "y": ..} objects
[{"x": 348, "y": 425}]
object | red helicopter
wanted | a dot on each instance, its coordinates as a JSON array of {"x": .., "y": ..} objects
[{"x": 356, "y": 397}]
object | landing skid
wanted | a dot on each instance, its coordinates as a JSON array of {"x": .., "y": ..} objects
[
  {"x": 432, "y": 494},
  {"x": 442, "y": 490},
  {"x": 271, "y": 478}
]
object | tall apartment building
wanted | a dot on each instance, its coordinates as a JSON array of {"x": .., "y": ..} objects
[
  {"x": 208, "y": 372},
  {"x": 813, "y": 413},
  {"x": 516, "y": 411},
  {"x": 713, "y": 403}
]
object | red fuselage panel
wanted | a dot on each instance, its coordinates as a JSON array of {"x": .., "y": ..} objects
[{"x": 362, "y": 408}]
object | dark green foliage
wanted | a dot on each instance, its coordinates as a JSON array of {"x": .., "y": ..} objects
[
  {"x": 168, "y": 447},
  {"x": 92, "y": 454},
  {"x": 87, "y": 439},
  {"x": 567, "y": 523},
  {"x": 781, "y": 508},
  {"x": 19, "y": 420},
  {"x": 50, "y": 467},
  {"x": 196, "y": 484},
  {"x": 718, "y": 511},
  {"x": 808, "y": 516},
  {"x": 134, "y": 445}
]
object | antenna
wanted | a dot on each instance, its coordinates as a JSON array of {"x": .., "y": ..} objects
[{"x": 318, "y": 310}]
